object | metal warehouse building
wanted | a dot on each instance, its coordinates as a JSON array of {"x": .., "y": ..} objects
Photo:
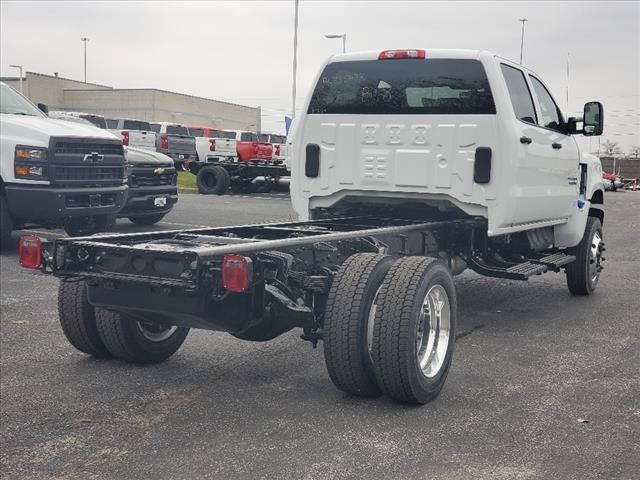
[{"x": 148, "y": 104}]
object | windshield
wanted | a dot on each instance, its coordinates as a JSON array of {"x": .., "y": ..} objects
[
  {"x": 13, "y": 103},
  {"x": 177, "y": 130},
  {"x": 136, "y": 125},
  {"x": 99, "y": 122},
  {"x": 403, "y": 87}
]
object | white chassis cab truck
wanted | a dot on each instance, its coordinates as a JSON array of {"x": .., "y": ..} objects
[
  {"x": 408, "y": 166},
  {"x": 56, "y": 173}
]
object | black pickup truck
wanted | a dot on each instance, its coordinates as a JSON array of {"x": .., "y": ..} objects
[{"x": 152, "y": 186}]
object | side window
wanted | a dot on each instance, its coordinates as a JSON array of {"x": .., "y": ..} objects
[
  {"x": 551, "y": 117},
  {"x": 519, "y": 93}
]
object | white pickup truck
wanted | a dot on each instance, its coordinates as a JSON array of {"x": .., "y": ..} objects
[
  {"x": 280, "y": 150},
  {"x": 56, "y": 173},
  {"x": 214, "y": 145},
  {"x": 408, "y": 166},
  {"x": 133, "y": 133}
]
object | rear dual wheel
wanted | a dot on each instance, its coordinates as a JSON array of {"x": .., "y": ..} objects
[
  {"x": 213, "y": 180},
  {"x": 105, "y": 334},
  {"x": 390, "y": 327}
]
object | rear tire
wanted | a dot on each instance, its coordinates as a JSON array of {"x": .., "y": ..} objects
[
  {"x": 213, "y": 180},
  {"x": 147, "y": 219},
  {"x": 138, "y": 342},
  {"x": 583, "y": 274},
  {"x": 6, "y": 224},
  {"x": 414, "y": 329},
  {"x": 77, "y": 318},
  {"x": 346, "y": 321}
]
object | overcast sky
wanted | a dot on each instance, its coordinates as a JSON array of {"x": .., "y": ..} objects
[{"x": 242, "y": 51}]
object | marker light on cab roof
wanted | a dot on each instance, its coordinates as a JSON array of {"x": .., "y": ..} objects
[{"x": 393, "y": 54}]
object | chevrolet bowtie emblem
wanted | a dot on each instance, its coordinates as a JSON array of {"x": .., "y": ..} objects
[
  {"x": 93, "y": 157},
  {"x": 159, "y": 171}
]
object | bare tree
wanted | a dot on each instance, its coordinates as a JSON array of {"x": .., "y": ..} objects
[
  {"x": 634, "y": 151},
  {"x": 609, "y": 148}
]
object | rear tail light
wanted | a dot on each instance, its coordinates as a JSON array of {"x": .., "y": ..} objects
[
  {"x": 212, "y": 145},
  {"x": 236, "y": 273},
  {"x": 125, "y": 138},
  {"x": 164, "y": 142},
  {"x": 29, "y": 251},
  {"x": 276, "y": 150},
  {"x": 393, "y": 54}
]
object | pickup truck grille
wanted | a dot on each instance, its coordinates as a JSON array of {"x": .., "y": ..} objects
[
  {"x": 82, "y": 148},
  {"x": 86, "y": 162},
  {"x": 149, "y": 176}
]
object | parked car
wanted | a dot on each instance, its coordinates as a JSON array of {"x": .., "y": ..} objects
[
  {"x": 432, "y": 161},
  {"x": 612, "y": 181},
  {"x": 133, "y": 133},
  {"x": 56, "y": 173},
  {"x": 213, "y": 144},
  {"x": 152, "y": 186},
  {"x": 174, "y": 140}
]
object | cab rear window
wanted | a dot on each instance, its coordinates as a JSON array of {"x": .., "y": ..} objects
[
  {"x": 177, "y": 130},
  {"x": 403, "y": 87}
]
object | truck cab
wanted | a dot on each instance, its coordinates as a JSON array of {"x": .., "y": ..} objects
[
  {"x": 459, "y": 130},
  {"x": 213, "y": 144},
  {"x": 56, "y": 173},
  {"x": 174, "y": 140},
  {"x": 133, "y": 133},
  {"x": 252, "y": 147}
]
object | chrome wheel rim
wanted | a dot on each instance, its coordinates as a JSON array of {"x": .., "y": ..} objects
[
  {"x": 595, "y": 258},
  {"x": 433, "y": 330},
  {"x": 154, "y": 332},
  {"x": 371, "y": 323}
]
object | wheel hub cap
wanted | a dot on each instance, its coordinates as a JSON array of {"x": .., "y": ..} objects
[
  {"x": 155, "y": 332},
  {"x": 434, "y": 327}
]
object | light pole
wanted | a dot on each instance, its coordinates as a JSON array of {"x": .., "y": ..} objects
[
  {"x": 295, "y": 60},
  {"x": 85, "y": 40},
  {"x": 343, "y": 36},
  {"x": 523, "y": 20},
  {"x": 20, "y": 67}
]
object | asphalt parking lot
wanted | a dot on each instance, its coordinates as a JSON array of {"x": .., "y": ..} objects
[{"x": 543, "y": 385}]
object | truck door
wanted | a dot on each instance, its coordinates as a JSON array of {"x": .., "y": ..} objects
[
  {"x": 546, "y": 167},
  {"x": 565, "y": 157}
]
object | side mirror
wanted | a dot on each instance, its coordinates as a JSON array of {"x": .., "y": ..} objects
[
  {"x": 43, "y": 108},
  {"x": 593, "y": 119}
]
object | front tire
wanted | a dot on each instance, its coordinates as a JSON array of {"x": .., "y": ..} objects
[
  {"x": 136, "y": 341},
  {"x": 348, "y": 313},
  {"x": 584, "y": 273},
  {"x": 85, "y": 226},
  {"x": 414, "y": 329},
  {"x": 77, "y": 319},
  {"x": 147, "y": 219},
  {"x": 6, "y": 224}
]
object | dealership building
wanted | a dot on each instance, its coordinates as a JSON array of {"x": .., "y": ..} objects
[{"x": 150, "y": 104}]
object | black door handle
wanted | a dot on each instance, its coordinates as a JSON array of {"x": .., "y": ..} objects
[
  {"x": 525, "y": 140},
  {"x": 556, "y": 146}
]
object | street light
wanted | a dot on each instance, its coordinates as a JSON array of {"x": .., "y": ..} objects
[
  {"x": 343, "y": 36},
  {"x": 20, "y": 67},
  {"x": 523, "y": 20},
  {"x": 85, "y": 40}
]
